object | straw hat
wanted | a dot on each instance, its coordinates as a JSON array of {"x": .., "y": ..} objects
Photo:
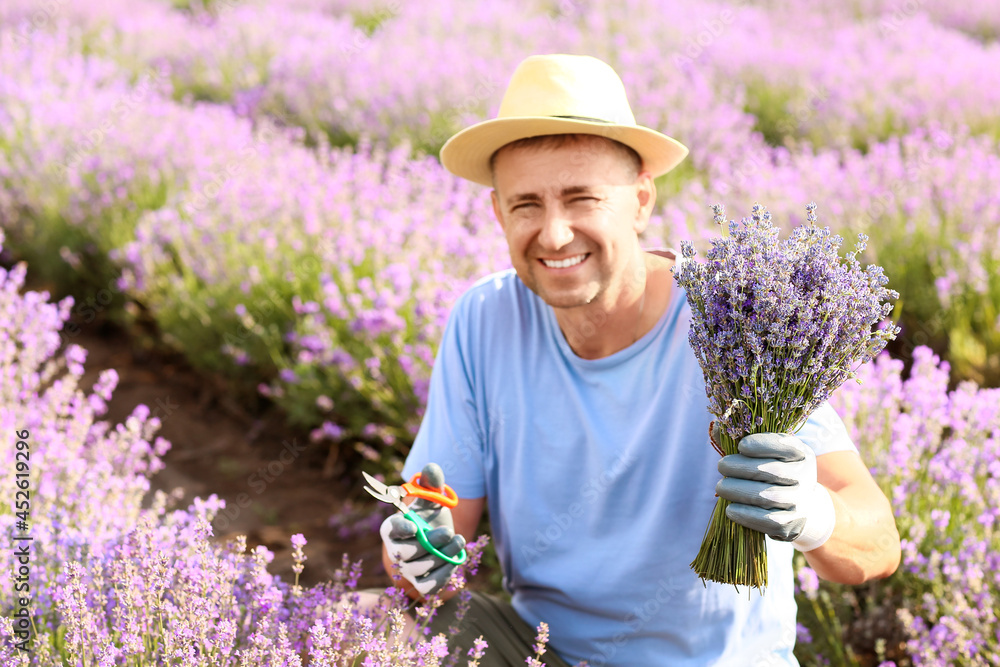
[{"x": 559, "y": 94}]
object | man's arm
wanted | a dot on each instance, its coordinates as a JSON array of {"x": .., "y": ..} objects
[
  {"x": 865, "y": 542},
  {"x": 466, "y": 516}
]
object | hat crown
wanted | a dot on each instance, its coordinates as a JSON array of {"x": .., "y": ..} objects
[
  {"x": 559, "y": 94},
  {"x": 571, "y": 86}
]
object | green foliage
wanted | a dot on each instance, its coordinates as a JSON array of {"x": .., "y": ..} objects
[
  {"x": 961, "y": 329},
  {"x": 670, "y": 184},
  {"x": 770, "y": 107},
  {"x": 75, "y": 259},
  {"x": 372, "y": 18}
]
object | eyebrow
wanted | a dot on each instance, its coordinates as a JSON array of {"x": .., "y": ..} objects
[{"x": 531, "y": 196}]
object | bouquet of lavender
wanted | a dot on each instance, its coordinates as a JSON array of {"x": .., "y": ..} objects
[{"x": 777, "y": 325}]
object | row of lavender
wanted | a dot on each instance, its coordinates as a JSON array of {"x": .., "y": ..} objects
[
  {"x": 348, "y": 260},
  {"x": 936, "y": 454},
  {"x": 114, "y": 583},
  {"x": 395, "y": 71},
  {"x": 111, "y": 581}
]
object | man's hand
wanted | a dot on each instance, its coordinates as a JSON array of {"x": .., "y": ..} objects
[
  {"x": 772, "y": 486},
  {"x": 426, "y": 572}
]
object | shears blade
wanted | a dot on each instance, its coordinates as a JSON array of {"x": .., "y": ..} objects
[
  {"x": 387, "y": 494},
  {"x": 394, "y": 495}
]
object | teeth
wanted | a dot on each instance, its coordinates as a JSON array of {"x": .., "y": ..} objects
[{"x": 564, "y": 263}]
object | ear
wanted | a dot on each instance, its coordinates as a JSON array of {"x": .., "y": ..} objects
[
  {"x": 495, "y": 198},
  {"x": 645, "y": 193}
]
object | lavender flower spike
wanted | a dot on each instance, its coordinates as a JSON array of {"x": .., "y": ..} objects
[{"x": 777, "y": 325}]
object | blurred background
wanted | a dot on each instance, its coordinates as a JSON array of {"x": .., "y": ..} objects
[{"x": 244, "y": 202}]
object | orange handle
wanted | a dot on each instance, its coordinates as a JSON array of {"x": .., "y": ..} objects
[{"x": 448, "y": 499}]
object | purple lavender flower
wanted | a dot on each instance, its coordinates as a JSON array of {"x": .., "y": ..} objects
[
  {"x": 776, "y": 326},
  {"x": 808, "y": 582},
  {"x": 118, "y": 578}
]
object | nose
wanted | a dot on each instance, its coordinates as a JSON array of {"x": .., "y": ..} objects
[{"x": 556, "y": 230}]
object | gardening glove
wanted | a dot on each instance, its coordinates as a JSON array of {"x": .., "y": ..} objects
[
  {"x": 427, "y": 573},
  {"x": 772, "y": 486}
]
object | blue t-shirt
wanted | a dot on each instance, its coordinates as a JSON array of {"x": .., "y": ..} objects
[{"x": 600, "y": 481}]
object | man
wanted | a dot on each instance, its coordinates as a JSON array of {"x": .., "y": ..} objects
[{"x": 565, "y": 396}]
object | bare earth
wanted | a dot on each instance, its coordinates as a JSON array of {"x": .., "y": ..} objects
[{"x": 219, "y": 448}]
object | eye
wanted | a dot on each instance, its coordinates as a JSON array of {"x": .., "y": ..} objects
[
  {"x": 582, "y": 199},
  {"x": 524, "y": 205}
]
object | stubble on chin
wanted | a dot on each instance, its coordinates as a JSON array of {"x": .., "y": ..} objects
[{"x": 563, "y": 298}]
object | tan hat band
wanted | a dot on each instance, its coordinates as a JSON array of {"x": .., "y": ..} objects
[{"x": 587, "y": 119}]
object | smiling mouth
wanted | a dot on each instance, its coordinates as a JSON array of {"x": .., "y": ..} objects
[{"x": 565, "y": 263}]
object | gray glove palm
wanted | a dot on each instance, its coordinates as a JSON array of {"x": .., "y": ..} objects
[{"x": 427, "y": 573}]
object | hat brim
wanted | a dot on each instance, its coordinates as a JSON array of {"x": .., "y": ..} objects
[{"x": 467, "y": 154}]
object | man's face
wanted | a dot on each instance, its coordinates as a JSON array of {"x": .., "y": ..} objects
[{"x": 571, "y": 216}]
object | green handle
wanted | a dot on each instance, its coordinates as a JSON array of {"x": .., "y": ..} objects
[{"x": 422, "y": 528}]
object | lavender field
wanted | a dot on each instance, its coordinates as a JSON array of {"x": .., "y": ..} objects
[{"x": 257, "y": 181}]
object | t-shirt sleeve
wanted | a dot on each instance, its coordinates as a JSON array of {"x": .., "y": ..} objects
[
  {"x": 825, "y": 432},
  {"x": 450, "y": 433}
]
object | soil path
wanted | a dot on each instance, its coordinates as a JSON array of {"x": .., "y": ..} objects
[{"x": 272, "y": 479}]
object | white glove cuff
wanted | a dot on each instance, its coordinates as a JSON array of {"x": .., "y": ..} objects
[{"x": 821, "y": 519}]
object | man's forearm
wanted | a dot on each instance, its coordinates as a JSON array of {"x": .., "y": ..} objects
[{"x": 865, "y": 542}]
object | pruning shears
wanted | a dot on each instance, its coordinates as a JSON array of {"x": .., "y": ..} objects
[{"x": 394, "y": 496}]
